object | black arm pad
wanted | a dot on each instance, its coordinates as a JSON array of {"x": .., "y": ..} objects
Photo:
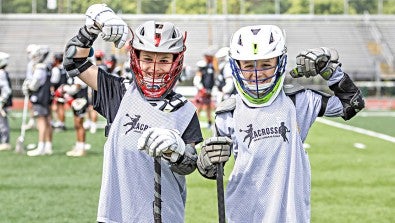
[
  {"x": 187, "y": 163},
  {"x": 84, "y": 38},
  {"x": 349, "y": 95},
  {"x": 75, "y": 66}
]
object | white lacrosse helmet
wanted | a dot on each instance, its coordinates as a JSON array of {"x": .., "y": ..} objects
[
  {"x": 256, "y": 43},
  {"x": 4, "y": 59},
  {"x": 38, "y": 53},
  {"x": 222, "y": 52},
  {"x": 222, "y": 57},
  {"x": 29, "y": 49},
  {"x": 161, "y": 37}
]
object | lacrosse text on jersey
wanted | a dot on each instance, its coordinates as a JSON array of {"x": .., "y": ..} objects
[
  {"x": 134, "y": 124},
  {"x": 263, "y": 133}
]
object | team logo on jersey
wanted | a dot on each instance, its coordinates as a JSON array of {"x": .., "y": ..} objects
[
  {"x": 134, "y": 124},
  {"x": 263, "y": 133}
]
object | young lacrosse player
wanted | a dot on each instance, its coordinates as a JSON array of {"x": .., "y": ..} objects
[
  {"x": 5, "y": 102},
  {"x": 146, "y": 118},
  {"x": 38, "y": 87},
  {"x": 265, "y": 124}
]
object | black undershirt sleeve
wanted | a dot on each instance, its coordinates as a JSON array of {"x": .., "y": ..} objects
[{"x": 107, "y": 99}]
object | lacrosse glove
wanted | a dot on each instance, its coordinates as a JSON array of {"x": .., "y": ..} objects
[
  {"x": 214, "y": 150},
  {"x": 101, "y": 18},
  {"x": 76, "y": 65},
  {"x": 25, "y": 87},
  {"x": 162, "y": 142},
  {"x": 322, "y": 61}
]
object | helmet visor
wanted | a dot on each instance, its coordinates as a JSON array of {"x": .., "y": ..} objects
[
  {"x": 255, "y": 78},
  {"x": 155, "y": 73}
]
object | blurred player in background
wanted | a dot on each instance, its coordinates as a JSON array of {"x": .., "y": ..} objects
[
  {"x": 224, "y": 79},
  {"x": 58, "y": 79},
  {"x": 5, "y": 102},
  {"x": 204, "y": 81},
  {"x": 38, "y": 87}
]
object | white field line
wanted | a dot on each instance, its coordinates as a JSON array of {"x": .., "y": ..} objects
[
  {"x": 356, "y": 129},
  {"x": 377, "y": 114}
]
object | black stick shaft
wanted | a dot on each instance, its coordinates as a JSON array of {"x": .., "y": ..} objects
[
  {"x": 220, "y": 193},
  {"x": 157, "y": 201}
]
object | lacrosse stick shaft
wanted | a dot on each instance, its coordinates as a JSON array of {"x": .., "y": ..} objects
[
  {"x": 220, "y": 193},
  {"x": 24, "y": 114},
  {"x": 19, "y": 148},
  {"x": 220, "y": 187},
  {"x": 157, "y": 201}
]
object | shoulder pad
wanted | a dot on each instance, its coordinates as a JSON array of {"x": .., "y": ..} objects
[
  {"x": 227, "y": 105},
  {"x": 321, "y": 93},
  {"x": 292, "y": 89},
  {"x": 178, "y": 97}
]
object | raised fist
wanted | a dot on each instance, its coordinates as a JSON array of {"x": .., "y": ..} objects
[
  {"x": 102, "y": 19},
  {"x": 311, "y": 62}
]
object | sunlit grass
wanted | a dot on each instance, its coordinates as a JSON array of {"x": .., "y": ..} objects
[{"x": 348, "y": 184}]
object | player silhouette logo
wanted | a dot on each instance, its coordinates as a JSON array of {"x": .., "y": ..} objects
[
  {"x": 132, "y": 123},
  {"x": 249, "y": 135},
  {"x": 283, "y": 131}
]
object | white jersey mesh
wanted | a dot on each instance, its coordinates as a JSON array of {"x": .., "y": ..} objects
[
  {"x": 127, "y": 191},
  {"x": 270, "y": 181}
]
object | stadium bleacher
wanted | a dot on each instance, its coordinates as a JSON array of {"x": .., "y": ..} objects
[{"x": 348, "y": 34}]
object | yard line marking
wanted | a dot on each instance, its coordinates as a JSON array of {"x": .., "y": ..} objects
[
  {"x": 377, "y": 114},
  {"x": 356, "y": 129}
]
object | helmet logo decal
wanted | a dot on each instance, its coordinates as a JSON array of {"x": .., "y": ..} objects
[
  {"x": 158, "y": 31},
  {"x": 271, "y": 38},
  {"x": 255, "y": 31},
  {"x": 255, "y": 48},
  {"x": 157, "y": 39},
  {"x": 240, "y": 42}
]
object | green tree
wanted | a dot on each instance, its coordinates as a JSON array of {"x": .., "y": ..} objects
[
  {"x": 16, "y": 6},
  {"x": 328, "y": 7},
  {"x": 299, "y": 7},
  {"x": 266, "y": 7},
  {"x": 389, "y": 7},
  {"x": 189, "y": 7},
  {"x": 154, "y": 6},
  {"x": 362, "y": 6}
]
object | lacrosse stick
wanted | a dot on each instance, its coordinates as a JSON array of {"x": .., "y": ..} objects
[
  {"x": 2, "y": 112},
  {"x": 220, "y": 193},
  {"x": 158, "y": 190},
  {"x": 19, "y": 148},
  {"x": 220, "y": 188}
]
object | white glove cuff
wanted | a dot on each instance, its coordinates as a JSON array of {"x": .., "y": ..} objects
[
  {"x": 179, "y": 149},
  {"x": 93, "y": 15}
]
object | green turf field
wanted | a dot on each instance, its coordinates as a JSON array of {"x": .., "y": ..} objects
[{"x": 349, "y": 184}]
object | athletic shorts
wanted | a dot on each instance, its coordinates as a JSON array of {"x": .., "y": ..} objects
[
  {"x": 39, "y": 110},
  {"x": 203, "y": 97}
]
